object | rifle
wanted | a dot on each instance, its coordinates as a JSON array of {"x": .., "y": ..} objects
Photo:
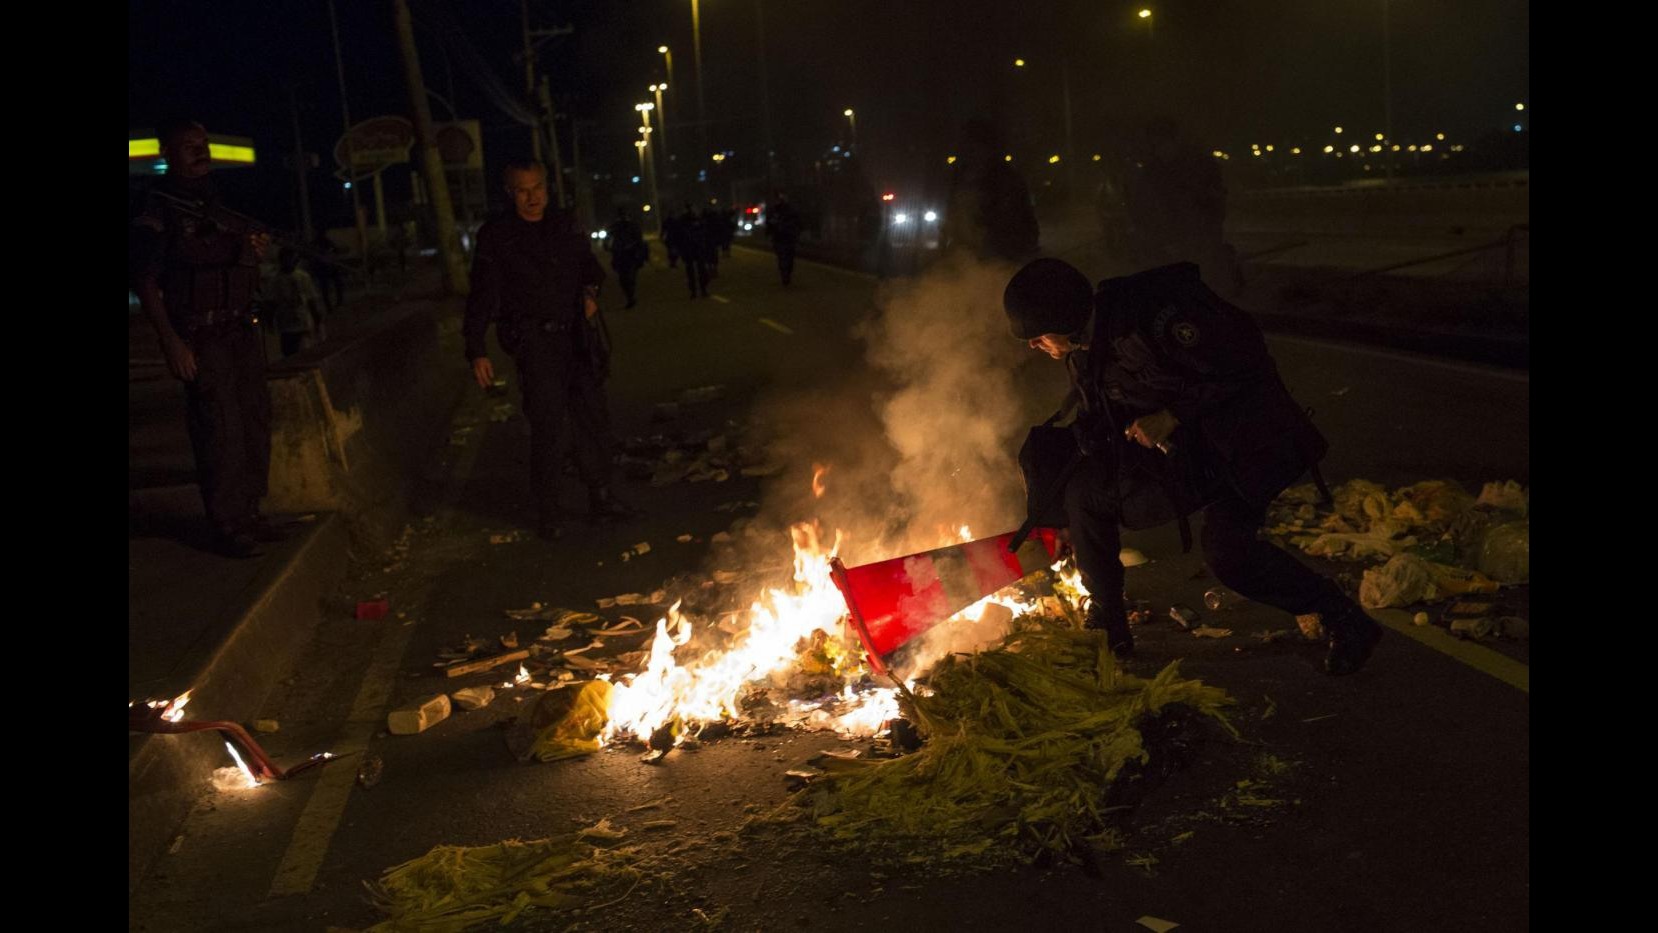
[{"x": 239, "y": 223}]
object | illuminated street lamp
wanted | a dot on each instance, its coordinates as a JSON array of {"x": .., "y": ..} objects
[
  {"x": 662, "y": 120},
  {"x": 852, "y": 121},
  {"x": 1146, "y": 15},
  {"x": 1018, "y": 63}
]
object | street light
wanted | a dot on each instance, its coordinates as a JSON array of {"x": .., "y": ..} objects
[
  {"x": 662, "y": 120},
  {"x": 1150, "y": 28},
  {"x": 1018, "y": 63},
  {"x": 852, "y": 120}
]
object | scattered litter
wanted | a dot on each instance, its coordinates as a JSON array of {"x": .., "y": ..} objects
[
  {"x": 566, "y": 723},
  {"x": 1421, "y": 618},
  {"x": 178, "y": 844},
  {"x": 606, "y": 603},
  {"x": 1207, "y": 631},
  {"x": 1154, "y": 924},
  {"x": 602, "y": 830},
  {"x": 509, "y": 537},
  {"x": 1129, "y": 557},
  {"x": 651, "y": 804},
  {"x": 1278, "y": 634},
  {"x": 658, "y": 824},
  {"x": 1312, "y": 626},
  {"x": 1474, "y": 629},
  {"x": 1184, "y": 617},
  {"x": 509, "y": 640},
  {"x": 265, "y": 725},
  {"x": 629, "y": 625},
  {"x": 370, "y": 771},
  {"x": 500, "y": 413},
  {"x": 472, "y": 698},
  {"x": 372, "y": 609},
  {"x": 643, "y": 547},
  {"x": 455, "y": 887},
  {"x": 583, "y": 663},
  {"x": 1403, "y": 580},
  {"x": 1509, "y": 496},
  {"x": 556, "y": 633},
  {"x": 683, "y": 539},
  {"x": 1218, "y": 599},
  {"x": 629, "y": 599},
  {"x": 484, "y": 664},
  {"x": 419, "y": 716},
  {"x": 797, "y": 778}
]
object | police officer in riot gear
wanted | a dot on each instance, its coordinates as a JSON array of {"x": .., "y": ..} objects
[
  {"x": 535, "y": 277},
  {"x": 1179, "y": 407},
  {"x": 196, "y": 279}
]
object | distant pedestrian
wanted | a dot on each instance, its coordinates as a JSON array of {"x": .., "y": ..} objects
[
  {"x": 195, "y": 279},
  {"x": 989, "y": 213},
  {"x": 783, "y": 229},
  {"x": 327, "y": 273},
  {"x": 628, "y": 251},
  {"x": 713, "y": 226},
  {"x": 294, "y": 305},
  {"x": 728, "y": 229},
  {"x": 671, "y": 239},
  {"x": 694, "y": 248}
]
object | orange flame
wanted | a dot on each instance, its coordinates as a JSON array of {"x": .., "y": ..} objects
[{"x": 819, "y": 471}]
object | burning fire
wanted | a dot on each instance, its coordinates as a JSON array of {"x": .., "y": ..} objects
[
  {"x": 788, "y": 629},
  {"x": 819, "y": 471}
]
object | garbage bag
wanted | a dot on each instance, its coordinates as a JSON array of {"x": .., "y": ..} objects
[
  {"x": 1403, "y": 580},
  {"x": 1505, "y": 555},
  {"x": 568, "y": 722}
]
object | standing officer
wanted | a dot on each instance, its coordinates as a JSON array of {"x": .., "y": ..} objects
[
  {"x": 626, "y": 243},
  {"x": 534, "y": 276},
  {"x": 695, "y": 245},
  {"x": 195, "y": 278},
  {"x": 783, "y": 229},
  {"x": 1159, "y": 361}
]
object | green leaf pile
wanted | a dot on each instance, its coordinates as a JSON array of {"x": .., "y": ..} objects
[{"x": 1022, "y": 744}]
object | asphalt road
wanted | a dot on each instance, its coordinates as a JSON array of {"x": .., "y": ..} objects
[{"x": 1403, "y": 792}]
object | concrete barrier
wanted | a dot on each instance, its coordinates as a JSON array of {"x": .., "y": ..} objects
[
  {"x": 1483, "y": 206},
  {"x": 348, "y": 423}
]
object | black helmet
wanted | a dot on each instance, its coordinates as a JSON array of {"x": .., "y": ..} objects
[{"x": 1047, "y": 296}]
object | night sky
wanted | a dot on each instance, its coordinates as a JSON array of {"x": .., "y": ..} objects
[{"x": 1232, "y": 72}]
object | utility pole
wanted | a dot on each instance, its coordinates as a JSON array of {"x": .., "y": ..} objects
[
  {"x": 300, "y": 165},
  {"x": 552, "y": 140},
  {"x": 350, "y": 157},
  {"x": 449, "y": 243},
  {"x": 529, "y": 77},
  {"x": 765, "y": 100},
  {"x": 701, "y": 161},
  {"x": 1387, "y": 93}
]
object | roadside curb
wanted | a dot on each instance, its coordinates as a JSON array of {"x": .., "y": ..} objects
[{"x": 228, "y": 681}]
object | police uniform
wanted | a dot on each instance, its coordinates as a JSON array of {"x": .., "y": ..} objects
[
  {"x": 1160, "y": 340},
  {"x": 528, "y": 278},
  {"x": 207, "y": 275}
]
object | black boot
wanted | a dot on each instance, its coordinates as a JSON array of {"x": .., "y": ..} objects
[
  {"x": 1353, "y": 636},
  {"x": 1110, "y": 617},
  {"x": 605, "y": 507}
]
